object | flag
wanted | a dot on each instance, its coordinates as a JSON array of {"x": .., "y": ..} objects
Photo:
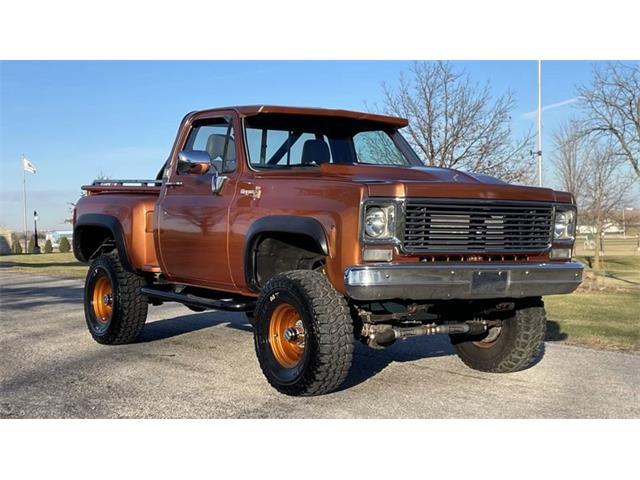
[{"x": 27, "y": 166}]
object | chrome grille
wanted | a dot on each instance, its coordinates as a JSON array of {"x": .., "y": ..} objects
[{"x": 477, "y": 227}]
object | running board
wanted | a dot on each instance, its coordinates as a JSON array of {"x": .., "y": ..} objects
[{"x": 229, "y": 305}]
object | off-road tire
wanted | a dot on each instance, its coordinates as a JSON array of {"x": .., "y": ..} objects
[
  {"x": 328, "y": 333},
  {"x": 519, "y": 345},
  {"x": 130, "y": 306}
]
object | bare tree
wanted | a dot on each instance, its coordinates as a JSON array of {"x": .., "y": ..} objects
[
  {"x": 570, "y": 148},
  {"x": 606, "y": 188},
  {"x": 456, "y": 123},
  {"x": 612, "y": 108}
]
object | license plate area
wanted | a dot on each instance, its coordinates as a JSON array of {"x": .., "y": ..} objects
[{"x": 489, "y": 282}]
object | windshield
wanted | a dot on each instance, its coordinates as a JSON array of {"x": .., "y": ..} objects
[{"x": 271, "y": 145}]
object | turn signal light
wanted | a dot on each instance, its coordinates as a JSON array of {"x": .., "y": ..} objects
[
  {"x": 377, "y": 254},
  {"x": 560, "y": 254}
]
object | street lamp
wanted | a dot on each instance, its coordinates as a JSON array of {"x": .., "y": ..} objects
[{"x": 36, "y": 248}]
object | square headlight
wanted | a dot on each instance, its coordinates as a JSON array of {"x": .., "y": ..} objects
[
  {"x": 564, "y": 224},
  {"x": 379, "y": 222}
]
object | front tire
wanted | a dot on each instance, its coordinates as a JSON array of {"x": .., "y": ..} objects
[
  {"x": 303, "y": 334},
  {"x": 516, "y": 345},
  {"x": 114, "y": 307}
]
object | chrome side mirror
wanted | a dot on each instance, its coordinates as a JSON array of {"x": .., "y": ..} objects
[
  {"x": 187, "y": 159},
  {"x": 217, "y": 182}
]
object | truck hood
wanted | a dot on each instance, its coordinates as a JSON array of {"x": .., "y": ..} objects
[{"x": 423, "y": 181}]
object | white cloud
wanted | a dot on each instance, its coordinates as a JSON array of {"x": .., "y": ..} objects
[{"x": 533, "y": 113}]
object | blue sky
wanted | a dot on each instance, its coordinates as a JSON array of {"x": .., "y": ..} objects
[{"x": 76, "y": 119}]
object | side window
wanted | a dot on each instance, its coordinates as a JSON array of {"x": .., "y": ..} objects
[
  {"x": 376, "y": 147},
  {"x": 217, "y": 139}
]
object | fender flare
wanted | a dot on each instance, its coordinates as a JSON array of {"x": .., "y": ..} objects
[
  {"x": 307, "y": 226},
  {"x": 108, "y": 222}
]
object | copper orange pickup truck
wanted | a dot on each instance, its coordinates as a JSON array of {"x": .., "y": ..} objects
[{"x": 325, "y": 228}]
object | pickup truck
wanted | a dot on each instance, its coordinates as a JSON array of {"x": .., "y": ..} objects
[{"x": 325, "y": 228}]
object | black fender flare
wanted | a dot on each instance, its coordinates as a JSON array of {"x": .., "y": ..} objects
[
  {"x": 307, "y": 226},
  {"x": 108, "y": 222}
]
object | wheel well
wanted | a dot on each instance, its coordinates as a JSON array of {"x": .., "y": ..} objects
[
  {"x": 87, "y": 240},
  {"x": 281, "y": 252}
]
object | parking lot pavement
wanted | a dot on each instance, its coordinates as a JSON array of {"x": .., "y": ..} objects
[{"x": 203, "y": 365}]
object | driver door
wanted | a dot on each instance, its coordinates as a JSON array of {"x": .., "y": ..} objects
[{"x": 192, "y": 218}]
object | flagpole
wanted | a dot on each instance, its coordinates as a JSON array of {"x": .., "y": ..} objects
[
  {"x": 539, "y": 123},
  {"x": 24, "y": 200}
]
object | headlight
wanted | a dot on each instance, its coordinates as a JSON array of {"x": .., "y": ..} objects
[
  {"x": 379, "y": 222},
  {"x": 564, "y": 225}
]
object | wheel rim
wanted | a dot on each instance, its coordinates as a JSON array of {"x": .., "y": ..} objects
[
  {"x": 286, "y": 335},
  {"x": 492, "y": 337},
  {"x": 102, "y": 299}
]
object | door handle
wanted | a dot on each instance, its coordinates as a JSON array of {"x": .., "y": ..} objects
[
  {"x": 251, "y": 190},
  {"x": 174, "y": 184}
]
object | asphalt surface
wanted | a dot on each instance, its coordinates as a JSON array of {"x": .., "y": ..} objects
[{"x": 190, "y": 365}]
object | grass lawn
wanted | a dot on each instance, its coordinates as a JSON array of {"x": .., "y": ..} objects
[
  {"x": 599, "y": 319},
  {"x": 618, "y": 271},
  {"x": 57, "y": 264}
]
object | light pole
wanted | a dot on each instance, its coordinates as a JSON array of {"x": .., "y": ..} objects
[
  {"x": 36, "y": 248},
  {"x": 24, "y": 204},
  {"x": 539, "y": 137}
]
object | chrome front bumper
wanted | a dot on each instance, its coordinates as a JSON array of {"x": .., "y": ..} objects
[{"x": 460, "y": 280}]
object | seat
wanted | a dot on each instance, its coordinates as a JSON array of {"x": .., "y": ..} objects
[
  {"x": 315, "y": 151},
  {"x": 215, "y": 148}
]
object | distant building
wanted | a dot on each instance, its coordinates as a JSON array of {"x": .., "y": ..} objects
[
  {"x": 608, "y": 228},
  {"x": 5, "y": 241},
  {"x": 56, "y": 235}
]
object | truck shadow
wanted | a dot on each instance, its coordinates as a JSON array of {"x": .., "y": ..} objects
[
  {"x": 368, "y": 362},
  {"x": 554, "y": 332},
  {"x": 171, "y": 327}
]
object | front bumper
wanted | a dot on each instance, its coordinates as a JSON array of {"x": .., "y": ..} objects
[{"x": 460, "y": 280}]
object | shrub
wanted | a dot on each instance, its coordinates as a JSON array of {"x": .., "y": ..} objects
[
  {"x": 16, "y": 247},
  {"x": 65, "y": 246},
  {"x": 32, "y": 244},
  {"x": 48, "y": 248}
]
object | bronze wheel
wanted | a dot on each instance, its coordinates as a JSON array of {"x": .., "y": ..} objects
[
  {"x": 102, "y": 298},
  {"x": 286, "y": 335},
  {"x": 492, "y": 337},
  {"x": 115, "y": 309},
  {"x": 303, "y": 333}
]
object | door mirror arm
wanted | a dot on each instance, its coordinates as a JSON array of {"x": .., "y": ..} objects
[{"x": 217, "y": 182}]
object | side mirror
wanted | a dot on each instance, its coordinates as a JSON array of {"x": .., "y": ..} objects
[{"x": 189, "y": 159}]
